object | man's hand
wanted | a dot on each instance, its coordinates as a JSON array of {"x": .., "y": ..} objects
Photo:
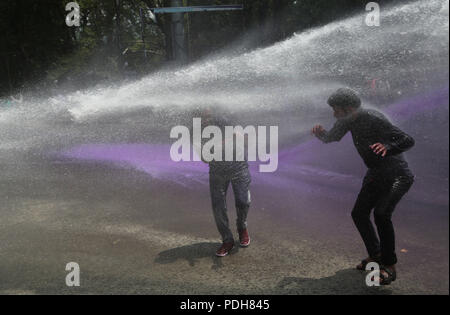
[
  {"x": 379, "y": 148},
  {"x": 318, "y": 130}
]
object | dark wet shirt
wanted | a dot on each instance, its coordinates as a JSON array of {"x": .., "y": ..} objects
[{"x": 369, "y": 127}]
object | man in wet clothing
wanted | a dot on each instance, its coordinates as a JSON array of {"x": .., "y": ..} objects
[
  {"x": 381, "y": 146},
  {"x": 221, "y": 175}
]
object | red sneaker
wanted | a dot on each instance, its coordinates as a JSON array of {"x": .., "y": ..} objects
[
  {"x": 244, "y": 238},
  {"x": 225, "y": 249}
]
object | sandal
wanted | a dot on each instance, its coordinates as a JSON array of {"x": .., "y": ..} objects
[
  {"x": 392, "y": 276},
  {"x": 362, "y": 266}
]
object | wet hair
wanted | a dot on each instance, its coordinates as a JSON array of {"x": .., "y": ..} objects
[{"x": 346, "y": 98}]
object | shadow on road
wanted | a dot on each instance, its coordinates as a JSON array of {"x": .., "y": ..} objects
[
  {"x": 344, "y": 282},
  {"x": 192, "y": 253}
]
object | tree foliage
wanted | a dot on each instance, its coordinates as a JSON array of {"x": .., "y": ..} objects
[{"x": 117, "y": 37}]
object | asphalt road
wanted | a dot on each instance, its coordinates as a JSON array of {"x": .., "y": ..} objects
[{"x": 131, "y": 234}]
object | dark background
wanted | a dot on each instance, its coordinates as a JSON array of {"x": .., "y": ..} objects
[{"x": 38, "y": 50}]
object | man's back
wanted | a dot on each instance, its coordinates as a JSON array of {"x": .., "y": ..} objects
[{"x": 226, "y": 167}]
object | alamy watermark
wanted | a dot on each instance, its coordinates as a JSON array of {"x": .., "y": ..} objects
[
  {"x": 223, "y": 147},
  {"x": 373, "y": 18},
  {"x": 73, "y": 18},
  {"x": 373, "y": 277},
  {"x": 73, "y": 277}
]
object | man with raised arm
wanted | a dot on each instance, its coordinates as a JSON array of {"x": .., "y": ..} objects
[{"x": 381, "y": 145}]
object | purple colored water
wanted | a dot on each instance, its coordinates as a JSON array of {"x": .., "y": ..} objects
[{"x": 306, "y": 167}]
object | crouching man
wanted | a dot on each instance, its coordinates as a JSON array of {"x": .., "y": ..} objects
[{"x": 381, "y": 146}]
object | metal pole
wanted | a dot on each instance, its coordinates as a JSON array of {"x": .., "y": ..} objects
[
  {"x": 179, "y": 46},
  {"x": 207, "y": 8},
  {"x": 142, "y": 32},
  {"x": 178, "y": 32}
]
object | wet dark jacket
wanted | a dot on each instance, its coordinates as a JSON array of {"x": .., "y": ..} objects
[{"x": 369, "y": 127}]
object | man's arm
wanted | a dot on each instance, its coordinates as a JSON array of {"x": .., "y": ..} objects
[
  {"x": 399, "y": 141},
  {"x": 336, "y": 133},
  {"x": 395, "y": 141}
]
